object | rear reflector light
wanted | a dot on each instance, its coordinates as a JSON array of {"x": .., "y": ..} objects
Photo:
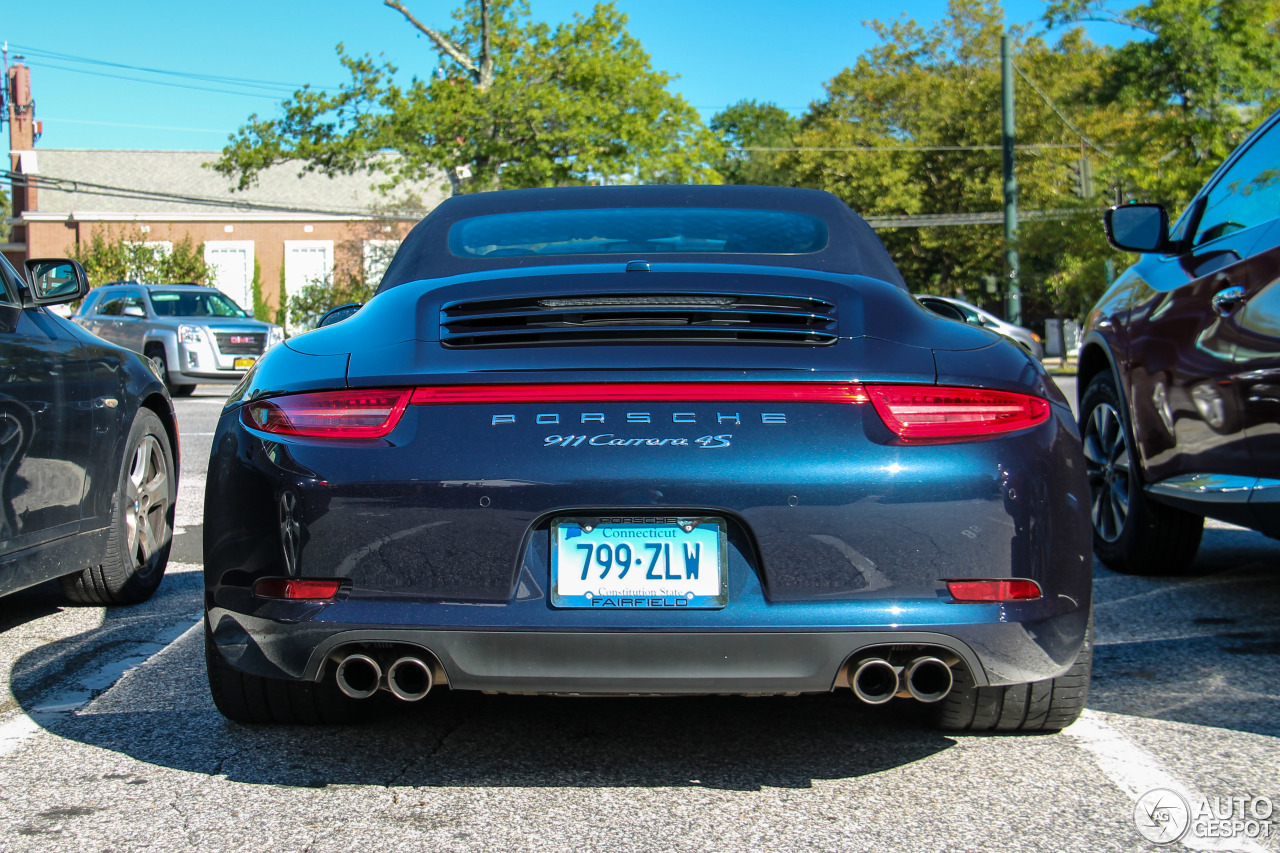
[
  {"x": 647, "y": 392},
  {"x": 935, "y": 413},
  {"x": 297, "y": 590},
  {"x": 354, "y": 413},
  {"x": 994, "y": 590}
]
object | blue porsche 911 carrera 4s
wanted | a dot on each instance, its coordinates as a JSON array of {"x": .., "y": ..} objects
[{"x": 648, "y": 440}]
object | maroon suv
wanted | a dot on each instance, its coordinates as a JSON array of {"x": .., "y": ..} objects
[{"x": 1180, "y": 369}]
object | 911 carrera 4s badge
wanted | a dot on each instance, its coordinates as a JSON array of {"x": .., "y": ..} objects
[
  {"x": 608, "y": 439},
  {"x": 646, "y": 563}
]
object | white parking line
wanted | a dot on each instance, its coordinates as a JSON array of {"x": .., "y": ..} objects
[
  {"x": 30, "y": 723},
  {"x": 1136, "y": 772}
]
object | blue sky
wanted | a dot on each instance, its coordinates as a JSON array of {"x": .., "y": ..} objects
[{"x": 723, "y": 50}]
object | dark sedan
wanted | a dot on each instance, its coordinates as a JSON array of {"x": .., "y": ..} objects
[
  {"x": 1180, "y": 369},
  {"x": 648, "y": 440},
  {"x": 88, "y": 449}
]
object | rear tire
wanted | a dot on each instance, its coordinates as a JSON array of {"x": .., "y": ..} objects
[
  {"x": 1037, "y": 706},
  {"x": 245, "y": 698},
  {"x": 1131, "y": 533},
  {"x": 141, "y": 531}
]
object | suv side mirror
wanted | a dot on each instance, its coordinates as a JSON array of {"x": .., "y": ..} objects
[
  {"x": 1137, "y": 227},
  {"x": 54, "y": 282}
]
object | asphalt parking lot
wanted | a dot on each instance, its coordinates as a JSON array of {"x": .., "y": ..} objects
[{"x": 109, "y": 741}]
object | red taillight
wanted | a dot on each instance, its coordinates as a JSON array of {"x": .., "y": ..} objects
[
  {"x": 646, "y": 392},
  {"x": 914, "y": 412},
  {"x": 297, "y": 590},
  {"x": 993, "y": 590},
  {"x": 935, "y": 413},
  {"x": 353, "y": 413}
]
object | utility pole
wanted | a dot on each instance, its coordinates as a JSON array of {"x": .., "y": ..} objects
[{"x": 1014, "y": 301}]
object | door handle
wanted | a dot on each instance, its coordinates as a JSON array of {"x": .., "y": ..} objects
[{"x": 1226, "y": 301}]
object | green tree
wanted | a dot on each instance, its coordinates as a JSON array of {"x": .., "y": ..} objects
[
  {"x": 512, "y": 102},
  {"x": 913, "y": 130},
  {"x": 111, "y": 256},
  {"x": 310, "y": 303},
  {"x": 745, "y": 128},
  {"x": 1200, "y": 76}
]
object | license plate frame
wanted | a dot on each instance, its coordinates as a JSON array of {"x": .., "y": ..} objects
[
  {"x": 644, "y": 538},
  {"x": 243, "y": 362}
]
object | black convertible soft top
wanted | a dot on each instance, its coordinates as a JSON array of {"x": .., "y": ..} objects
[{"x": 435, "y": 249}]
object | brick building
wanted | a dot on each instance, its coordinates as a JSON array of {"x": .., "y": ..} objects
[{"x": 296, "y": 227}]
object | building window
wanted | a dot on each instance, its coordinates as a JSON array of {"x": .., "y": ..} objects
[
  {"x": 232, "y": 263},
  {"x": 144, "y": 260},
  {"x": 377, "y": 255}
]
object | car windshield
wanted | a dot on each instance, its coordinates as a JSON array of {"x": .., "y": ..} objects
[
  {"x": 637, "y": 231},
  {"x": 194, "y": 303}
]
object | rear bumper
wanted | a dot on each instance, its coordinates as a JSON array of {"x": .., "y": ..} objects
[{"x": 656, "y": 662}]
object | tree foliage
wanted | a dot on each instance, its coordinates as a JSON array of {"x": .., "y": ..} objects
[
  {"x": 913, "y": 128},
  {"x": 310, "y": 303},
  {"x": 510, "y": 102},
  {"x": 1153, "y": 118},
  {"x": 1201, "y": 74},
  {"x": 747, "y": 127},
  {"x": 109, "y": 255}
]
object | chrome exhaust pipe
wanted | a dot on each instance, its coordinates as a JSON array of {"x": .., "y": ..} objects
[
  {"x": 409, "y": 679},
  {"x": 929, "y": 679},
  {"x": 358, "y": 676},
  {"x": 874, "y": 680}
]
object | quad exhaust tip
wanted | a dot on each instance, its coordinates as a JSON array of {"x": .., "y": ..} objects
[
  {"x": 358, "y": 676},
  {"x": 874, "y": 681},
  {"x": 409, "y": 679},
  {"x": 926, "y": 679}
]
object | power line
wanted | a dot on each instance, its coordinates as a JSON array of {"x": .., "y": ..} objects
[
  {"x": 88, "y": 188},
  {"x": 1060, "y": 114},
  {"x": 154, "y": 82},
  {"x": 208, "y": 78},
  {"x": 1028, "y": 147},
  {"x": 142, "y": 126},
  {"x": 917, "y": 220},
  {"x": 995, "y": 217}
]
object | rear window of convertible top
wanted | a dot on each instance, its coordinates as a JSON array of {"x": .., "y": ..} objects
[{"x": 637, "y": 230}]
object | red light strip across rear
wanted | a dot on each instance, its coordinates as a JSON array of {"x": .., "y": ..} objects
[
  {"x": 915, "y": 413},
  {"x": 646, "y": 392}
]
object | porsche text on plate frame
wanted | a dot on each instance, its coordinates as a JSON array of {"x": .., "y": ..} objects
[{"x": 648, "y": 440}]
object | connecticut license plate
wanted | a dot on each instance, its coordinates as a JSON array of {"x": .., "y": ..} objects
[
  {"x": 244, "y": 363},
  {"x": 663, "y": 562}
]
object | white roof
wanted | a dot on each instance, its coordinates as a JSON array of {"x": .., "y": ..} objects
[{"x": 177, "y": 185}]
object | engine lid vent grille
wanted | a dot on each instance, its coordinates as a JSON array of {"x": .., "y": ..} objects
[{"x": 639, "y": 318}]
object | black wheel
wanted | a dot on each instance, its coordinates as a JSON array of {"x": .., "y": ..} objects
[
  {"x": 1038, "y": 706},
  {"x": 141, "y": 530},
  {"x": 1131, "y": 533},
  {"x": 246, "y": 698},
  {"x": 155, "y": 352}
]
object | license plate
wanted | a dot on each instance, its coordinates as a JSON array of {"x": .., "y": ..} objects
[
  {"x": 244, "y": 363},
  {"x": 648, "y": 563}
]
